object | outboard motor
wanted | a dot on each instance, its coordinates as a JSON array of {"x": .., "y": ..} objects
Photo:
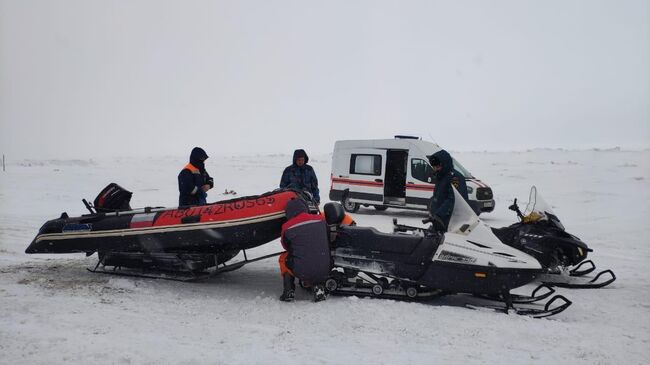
[{"x": 113, "y": 198}]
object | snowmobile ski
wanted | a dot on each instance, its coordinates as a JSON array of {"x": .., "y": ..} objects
[
  {"x": 553, "y": 306},
  {"x": 577, "y": 271},
  {"x": 525, "y": 299},
  {"x": 576, "y": 282}
]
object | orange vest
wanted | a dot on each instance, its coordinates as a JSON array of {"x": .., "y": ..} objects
[{"x": 192, "y": 169}]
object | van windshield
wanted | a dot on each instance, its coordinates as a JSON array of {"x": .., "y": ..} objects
[{"x": 462, "y": 170}]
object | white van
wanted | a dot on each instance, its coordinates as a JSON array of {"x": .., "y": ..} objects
[{"x": 393, "y": 173}]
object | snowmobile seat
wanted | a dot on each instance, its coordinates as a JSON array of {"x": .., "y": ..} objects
[
  {"x": 369, "y": 238},
  {"x": 334, "y": 213},
  {"x": 406, "y": 255}
]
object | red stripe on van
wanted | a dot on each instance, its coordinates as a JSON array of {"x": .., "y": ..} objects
[
  {"x": 419, "y": 187},
  {"x": 357, "y": 182}
]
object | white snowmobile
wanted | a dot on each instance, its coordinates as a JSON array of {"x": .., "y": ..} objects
[{"x": 414, "y": 262}]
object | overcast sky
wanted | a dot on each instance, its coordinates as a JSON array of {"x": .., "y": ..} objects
[{"x": 95, "y": 78}]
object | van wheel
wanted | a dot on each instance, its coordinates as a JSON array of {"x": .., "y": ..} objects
[
  {"x": 381, "y": 208},
  {"x": 349, "y": 206}
]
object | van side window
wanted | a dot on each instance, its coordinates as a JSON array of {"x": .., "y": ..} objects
[
  {"x": 365, "y": 164},
  {"x": 422, "y": 171}
]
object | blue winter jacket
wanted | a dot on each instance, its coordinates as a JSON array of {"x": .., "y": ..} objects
[{"x": 300, "y": 177}]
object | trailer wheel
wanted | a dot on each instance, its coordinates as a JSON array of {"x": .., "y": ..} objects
[
  {"x": 349, "y": 206},
  {"x": 381, "y": 208}
]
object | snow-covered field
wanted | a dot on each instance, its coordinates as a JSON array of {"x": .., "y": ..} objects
[{"x": 53, "y": 311}]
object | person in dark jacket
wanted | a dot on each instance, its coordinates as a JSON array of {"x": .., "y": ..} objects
[
  {"x": 300, "y": 176},
  {"x": 194, "y": 181},
  {"x": 305, "y": 237},
  {"x": 442, "y": 202}
]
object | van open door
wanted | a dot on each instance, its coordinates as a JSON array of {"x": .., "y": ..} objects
[
  {"x": 395, "y": 177},
  {"x": 363, "y": 181},
  {"x": 420, "y": 183}
]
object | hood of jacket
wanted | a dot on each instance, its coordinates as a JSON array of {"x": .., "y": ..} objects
[
  {"x": 197, "y": 158},
  {"x": 444, "y": 158},
  {"x": 295, "y": 207},
  {"x": 300, "y": 153}
]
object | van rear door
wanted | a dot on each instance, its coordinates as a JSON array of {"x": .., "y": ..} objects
[
  {"x": 420, "y": 182},
  {"x": 365, "y": 176}
]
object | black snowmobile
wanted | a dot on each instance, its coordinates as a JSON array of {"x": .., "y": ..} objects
[
  {"x": 562, "y": 255},
  {"x": 419, "y": 263}
]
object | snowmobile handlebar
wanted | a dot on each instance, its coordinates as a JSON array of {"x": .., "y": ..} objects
[
  {"x": 404, "y": 228},
  {"x": 515, "y": 208}
]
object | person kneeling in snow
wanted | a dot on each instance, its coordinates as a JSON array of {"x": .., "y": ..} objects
[{"x": 304, "y": 236}]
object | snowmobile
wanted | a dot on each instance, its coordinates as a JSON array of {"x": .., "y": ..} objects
[
  {"x": 562, "y": 255},
  {"x": 419, "y": 263},
  {"x": 183, "y": 243}
]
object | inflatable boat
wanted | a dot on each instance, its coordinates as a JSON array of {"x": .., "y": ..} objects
[{"x": 191, "y": 238}]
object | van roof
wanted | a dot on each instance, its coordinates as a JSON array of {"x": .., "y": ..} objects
[{"x": 425, "y": 147}]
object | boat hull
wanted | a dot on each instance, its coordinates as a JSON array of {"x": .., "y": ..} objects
[{"x": 227, "y": 225}]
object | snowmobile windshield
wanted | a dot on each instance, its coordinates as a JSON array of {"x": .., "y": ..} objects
[
  {"x": 539, "y": 209},
  {"x": 463, "y": 219},
  {"x": 460, "y": 168},
  {"x": 466, "y": 223}
]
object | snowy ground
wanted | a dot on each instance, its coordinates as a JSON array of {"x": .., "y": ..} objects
[{"x": 53, "y": 311}]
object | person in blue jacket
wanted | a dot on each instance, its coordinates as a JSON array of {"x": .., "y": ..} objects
[
  {"x": 194, "y": 181},
  {"x": 300, "y": 176},
  {"x": 442, "y": 202}
]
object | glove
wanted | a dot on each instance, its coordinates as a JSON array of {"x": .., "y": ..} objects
[{"x": 437, "y": 225}]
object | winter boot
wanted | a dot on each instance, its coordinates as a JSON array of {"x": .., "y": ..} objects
[
  {"x": 319, "y": 293},
  {"x": 288, "y": 293}
]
